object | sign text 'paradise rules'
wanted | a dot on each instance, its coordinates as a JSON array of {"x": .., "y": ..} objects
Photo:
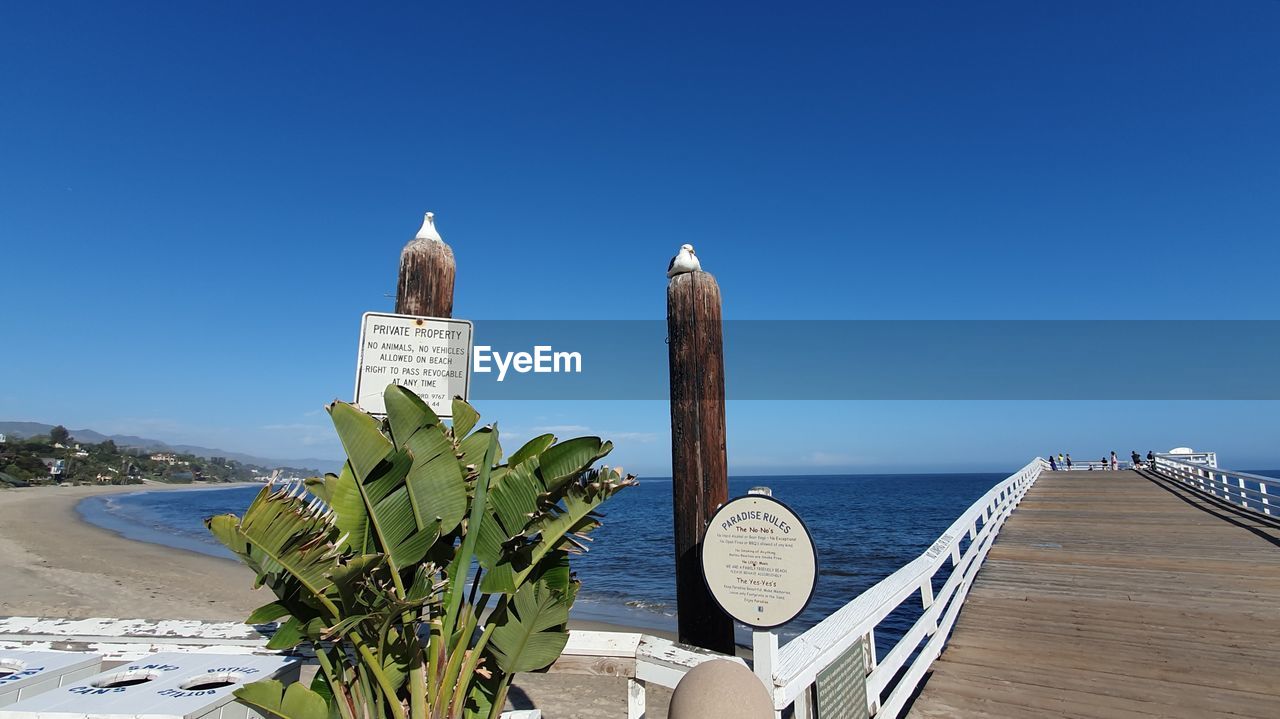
[
  {"x": 429, "y": 356},
  {"x": 759, "y": 561}
]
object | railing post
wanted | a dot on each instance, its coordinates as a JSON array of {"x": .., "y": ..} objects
[
  {"x": 926, "y": 601},
  {"x": 803, "y": 707},
  {"x": 872, "y": 663},
  {"x": 1213, "y": 481},
  {"x": 764, "y": 651},
  {"x": 636, "y": 707}
]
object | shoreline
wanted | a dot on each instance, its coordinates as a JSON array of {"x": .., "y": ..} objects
[{"x": 55, "y": 563}]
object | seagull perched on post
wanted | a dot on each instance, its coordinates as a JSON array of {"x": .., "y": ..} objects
[{"x": 684, "y": 261}]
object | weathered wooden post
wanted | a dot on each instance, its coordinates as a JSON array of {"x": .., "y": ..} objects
[
  {"x": 699, "y": 469},
  {"x": 426, "y": 274}
]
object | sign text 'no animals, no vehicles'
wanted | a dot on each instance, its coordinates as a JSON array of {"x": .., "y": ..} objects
[{"x": 429, "y": 356}]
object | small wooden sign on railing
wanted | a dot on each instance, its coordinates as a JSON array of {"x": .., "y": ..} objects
[{"x": 841, "y": 688}]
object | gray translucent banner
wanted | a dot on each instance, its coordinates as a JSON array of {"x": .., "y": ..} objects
[{"x": 869, "y": 359}]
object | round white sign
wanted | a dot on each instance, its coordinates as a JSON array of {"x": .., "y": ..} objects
[{"x": 759, "y": 561}]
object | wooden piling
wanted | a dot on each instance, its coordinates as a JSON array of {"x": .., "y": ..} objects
[
  {"x": 427, "y": 270},
  {"x": 699, "y": 467}
]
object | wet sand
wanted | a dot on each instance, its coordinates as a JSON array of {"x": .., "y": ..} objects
[{"x": 54, "y": 564}]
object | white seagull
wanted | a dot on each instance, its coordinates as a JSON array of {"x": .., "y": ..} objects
[{"x": 684, "y": 261}]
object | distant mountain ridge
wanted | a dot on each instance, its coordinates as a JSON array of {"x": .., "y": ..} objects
[{"x": 89, "y": 436}]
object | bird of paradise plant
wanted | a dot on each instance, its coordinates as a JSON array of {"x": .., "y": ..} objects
[{"x": 371, "y": 565}]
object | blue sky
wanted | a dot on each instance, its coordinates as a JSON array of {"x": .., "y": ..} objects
[{"x": 197, "y": 202}]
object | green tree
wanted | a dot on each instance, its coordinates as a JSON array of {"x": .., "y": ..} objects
[
  {"x": 59, "y": 435},
  {"x": 17, "y": 472},
  {"x": 108, "y": 447}
]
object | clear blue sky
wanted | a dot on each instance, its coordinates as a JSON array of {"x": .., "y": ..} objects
[{"x": 198, "y": 201}]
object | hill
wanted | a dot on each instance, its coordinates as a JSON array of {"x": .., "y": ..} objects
[{"x": 89, "y": 436}]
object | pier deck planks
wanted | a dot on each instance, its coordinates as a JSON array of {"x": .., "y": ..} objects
[{"x": 1108, "y": 594}]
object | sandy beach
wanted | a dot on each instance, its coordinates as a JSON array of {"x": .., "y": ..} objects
[{"x": 54, "y": 564}]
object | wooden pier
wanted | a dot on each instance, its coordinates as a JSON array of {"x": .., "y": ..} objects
[{"x": 1111, "y": 594}]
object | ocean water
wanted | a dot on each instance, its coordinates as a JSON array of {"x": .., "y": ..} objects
[{"x": 864, "y": 527}]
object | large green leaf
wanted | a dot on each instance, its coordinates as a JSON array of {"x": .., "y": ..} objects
[
  {"x": 512, "y": 504},
  {"x": 408, "y": 488},
  {"x": 464, "y": 417},
  {"x": 288, "y": 635},
  {"x": 532, "y": 448},
  {"x": 375, "y": 515},
  {"x": 531, "y": 632},
  {"x": 566, "y": 460},
  {"x": 461, "y": 563},
  {"x": 267, "y": 613},
  {"x": 349, "y": 513},
  {"x": 280, "y": 537},
  {"x": 296, "y": 702},
  {"x": 515, "y": 498},
  {"x": 394, "y": 519},
  {"x": 415, "y": 547},
  {"x": 406, "y": 413},
  {"x": 365, "y": 445},
  {"x": 436, "y": 482},
  {"x": 473, "y": 448},
  {"x": 481, "y": 695},
  {"x": 552, "y": 529}
]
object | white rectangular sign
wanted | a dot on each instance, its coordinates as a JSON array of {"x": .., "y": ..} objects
[{"x": 431, "y": 356}]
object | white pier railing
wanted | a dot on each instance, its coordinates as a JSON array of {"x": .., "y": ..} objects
[
  {"x": 793, "y": 670},
  {"x": 1095, "y": 465},
  {"x": 1250, "y": 491}
]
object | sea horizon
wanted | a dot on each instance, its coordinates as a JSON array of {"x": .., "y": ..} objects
[{"x": 628, "y": 575}]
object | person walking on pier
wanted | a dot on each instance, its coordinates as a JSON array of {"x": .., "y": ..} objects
[
  {"x": 1151, "y": 459},
  {"x": 1061, "y": 463},
  {"x": 1115, "y": 463},
  {"x": 1053, "y": 466},
  {"x": 1136, "y": 459},
  {"x": 1068, "y": 460}
]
